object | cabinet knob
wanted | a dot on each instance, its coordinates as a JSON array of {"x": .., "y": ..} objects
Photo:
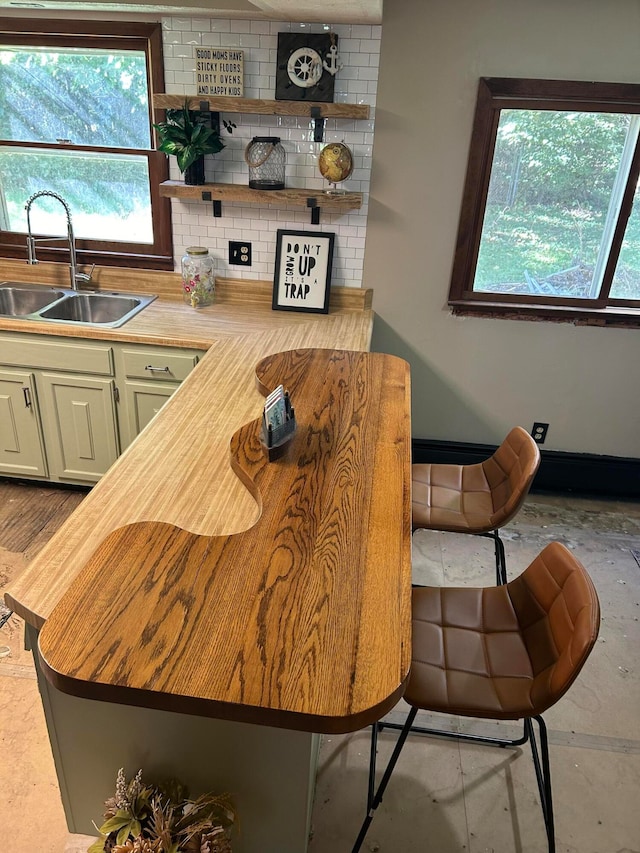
[
  {"x": 157, "y": 369},
  {"x": 27, "y": 397}
]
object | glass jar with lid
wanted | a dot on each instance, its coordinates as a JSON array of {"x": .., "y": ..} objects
[{"x": 198, "y": 280}]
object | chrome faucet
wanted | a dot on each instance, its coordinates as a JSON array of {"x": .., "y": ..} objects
[{"x": 74, "y": 276}]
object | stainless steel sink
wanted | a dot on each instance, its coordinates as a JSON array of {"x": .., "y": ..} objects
[
  {"x": 53, "y": 305},
  {"x": 20, "y": 300},
  {"x": 96, "y": 309}
]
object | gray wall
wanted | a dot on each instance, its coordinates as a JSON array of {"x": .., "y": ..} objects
[{"x": 475, "y": 378}]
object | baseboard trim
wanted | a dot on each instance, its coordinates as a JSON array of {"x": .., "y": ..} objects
[{"x": 583, "y": 473}]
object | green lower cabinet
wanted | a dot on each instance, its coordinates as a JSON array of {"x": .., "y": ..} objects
[
  {"x": 147, "y": 376},
  {"x": 69, "y": 407},
  {"x": 21, "y": 444},
  {"x": 143, "y": 401},
  {"x": 81, "y": 430}
]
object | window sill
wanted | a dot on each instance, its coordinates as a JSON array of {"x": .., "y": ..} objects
[
  {"x": 86, "y": 256},
  {"x": 611, "y": 316}
]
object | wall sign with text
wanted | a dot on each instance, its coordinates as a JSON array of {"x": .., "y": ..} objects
[
  {"x": 220, "y": 71},
  {"x": 303, "y": 271}
]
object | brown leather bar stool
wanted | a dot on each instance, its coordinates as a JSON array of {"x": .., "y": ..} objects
[
  {"x": 480, "y": 498},
  {"x": 500, "y": 653}
]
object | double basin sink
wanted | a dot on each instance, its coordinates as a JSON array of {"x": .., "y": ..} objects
[{"x": 59, "y": 305}]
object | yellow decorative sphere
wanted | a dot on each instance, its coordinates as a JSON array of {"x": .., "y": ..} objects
[{"x": 335, "y": 162}]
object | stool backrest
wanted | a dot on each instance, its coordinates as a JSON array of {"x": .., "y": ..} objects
[
  {"x": 558, "y": 612},
  {"x": 510, "y": 472}
]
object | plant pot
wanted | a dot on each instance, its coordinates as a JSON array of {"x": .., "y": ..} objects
[{"x": 194, "y": 174}]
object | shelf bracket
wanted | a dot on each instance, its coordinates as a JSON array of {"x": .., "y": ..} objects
[
  {"x": 315, "y": 210},
  {"x": 318, "y": 124},
  {"x": 214, "y": 117},
  {"x": 217, "y": 204}
]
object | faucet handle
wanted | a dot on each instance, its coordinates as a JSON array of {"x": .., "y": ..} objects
[
  {"x": 31, "y": 250},
  {"x": 85, "y": 276}
]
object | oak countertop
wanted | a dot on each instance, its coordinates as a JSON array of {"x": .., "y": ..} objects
[
  {"x": 300, "y": 621},
  {"x": 240, "y": 307},
  {"x": 174, "y": 494},
  {"x": 178, "y": 469}
]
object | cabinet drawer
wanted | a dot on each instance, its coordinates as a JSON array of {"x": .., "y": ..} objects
[
  {"x": 158, "y": 364},
  {"x": 56, "y": 355}
]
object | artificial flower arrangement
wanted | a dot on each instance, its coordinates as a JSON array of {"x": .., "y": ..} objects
[{"x": 144, "y": 818}]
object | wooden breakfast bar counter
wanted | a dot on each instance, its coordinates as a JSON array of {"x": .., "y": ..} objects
[
  {"x": 206, "y": 613},
  {"x": 299, "y": 621}
]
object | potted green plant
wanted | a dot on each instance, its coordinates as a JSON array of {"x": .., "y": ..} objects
[{"x": 185, "y": 135}]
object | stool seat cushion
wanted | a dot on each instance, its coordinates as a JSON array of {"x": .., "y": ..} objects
[
  {"x": 455, "y": 498},
  {"x": 475, "y": 498},
  {"x": 504, "y": 652}
]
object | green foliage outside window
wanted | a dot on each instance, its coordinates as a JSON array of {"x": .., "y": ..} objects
[
  {"x": 552, "y": 180},
  {"x": 71, "y": 98},
  {"x": 89, "y": 98}
]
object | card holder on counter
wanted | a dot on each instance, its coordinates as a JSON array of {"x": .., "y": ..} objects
[{"x": 278, "y": 423}]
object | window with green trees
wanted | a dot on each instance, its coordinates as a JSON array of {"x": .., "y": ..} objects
[
  {"x": 76, "y": 118},
  {"x": 550, "y": 220}
]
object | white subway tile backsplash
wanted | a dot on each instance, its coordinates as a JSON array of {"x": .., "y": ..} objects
[
  {"x": 211, "y": 39},
  {"x": 260, "y": 55},
  {"x": 180, "y": 24},
  {"x": 201, "y": 25},
  {"x": 193, "y": 38},
  {"x": 244, "y": 40},
  {"x": 356, "y": 60},
  {"x": 171, "y": 64},
  {"x": 368, "y": 73},
  {"x": 370, "y": 46},
  {"x": 183, "y": 51},
  {"x": 184, "y": 79},
  {"x": 362, "y": 31},
  {"x": 360, "y": 88},
  {"x": 356, "y": 82}
]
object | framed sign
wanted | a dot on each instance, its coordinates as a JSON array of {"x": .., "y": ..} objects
[
  {"x": 306, "y": 66},
  {"x": 303, "y": 271},
  {"x": 220, "y": 71}
]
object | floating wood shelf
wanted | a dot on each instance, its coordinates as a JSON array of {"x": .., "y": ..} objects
[
  {"x": 217, "y": 193},
  {"x": 310, "y": 109}
]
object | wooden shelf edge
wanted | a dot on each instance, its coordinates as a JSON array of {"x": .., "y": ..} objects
[
  {"x": 264, "y": 107},
  {"x": 299, "y": 197}
]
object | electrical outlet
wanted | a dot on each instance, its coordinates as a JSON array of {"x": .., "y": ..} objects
[
  {"x": 539, "y": 432},
  {"x": 240, "y": 253}
]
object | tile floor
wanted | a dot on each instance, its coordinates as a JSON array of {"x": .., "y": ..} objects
[{"x": 444, "y": 797}]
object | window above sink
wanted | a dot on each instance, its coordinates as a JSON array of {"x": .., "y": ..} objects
[{"x": 91, "y": 144}]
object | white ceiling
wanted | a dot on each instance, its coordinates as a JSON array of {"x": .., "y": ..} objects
[{"x": 323, "y": 11}]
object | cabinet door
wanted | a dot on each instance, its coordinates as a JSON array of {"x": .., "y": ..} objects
[
  {"x": 161, "y": 370},
  {"x": 80, "y": 426},
  {"x": 143, "y": 402},
  {"x": 21, "y": 446}
]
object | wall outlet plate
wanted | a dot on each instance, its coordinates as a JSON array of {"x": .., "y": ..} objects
[
  {"x": 240, "y": 253},
  {"x": 539, "y": 432}
]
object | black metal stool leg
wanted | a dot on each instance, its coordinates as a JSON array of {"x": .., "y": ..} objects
[
  {"x": 372, "y": 766},
  {"x": 502, "y": 568},
  {"x": 385, "y": 779},
  {"x": 490, "y": 741},
  {"x": 501, "y": 560},
  {"x": 543, "y": 776}
]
